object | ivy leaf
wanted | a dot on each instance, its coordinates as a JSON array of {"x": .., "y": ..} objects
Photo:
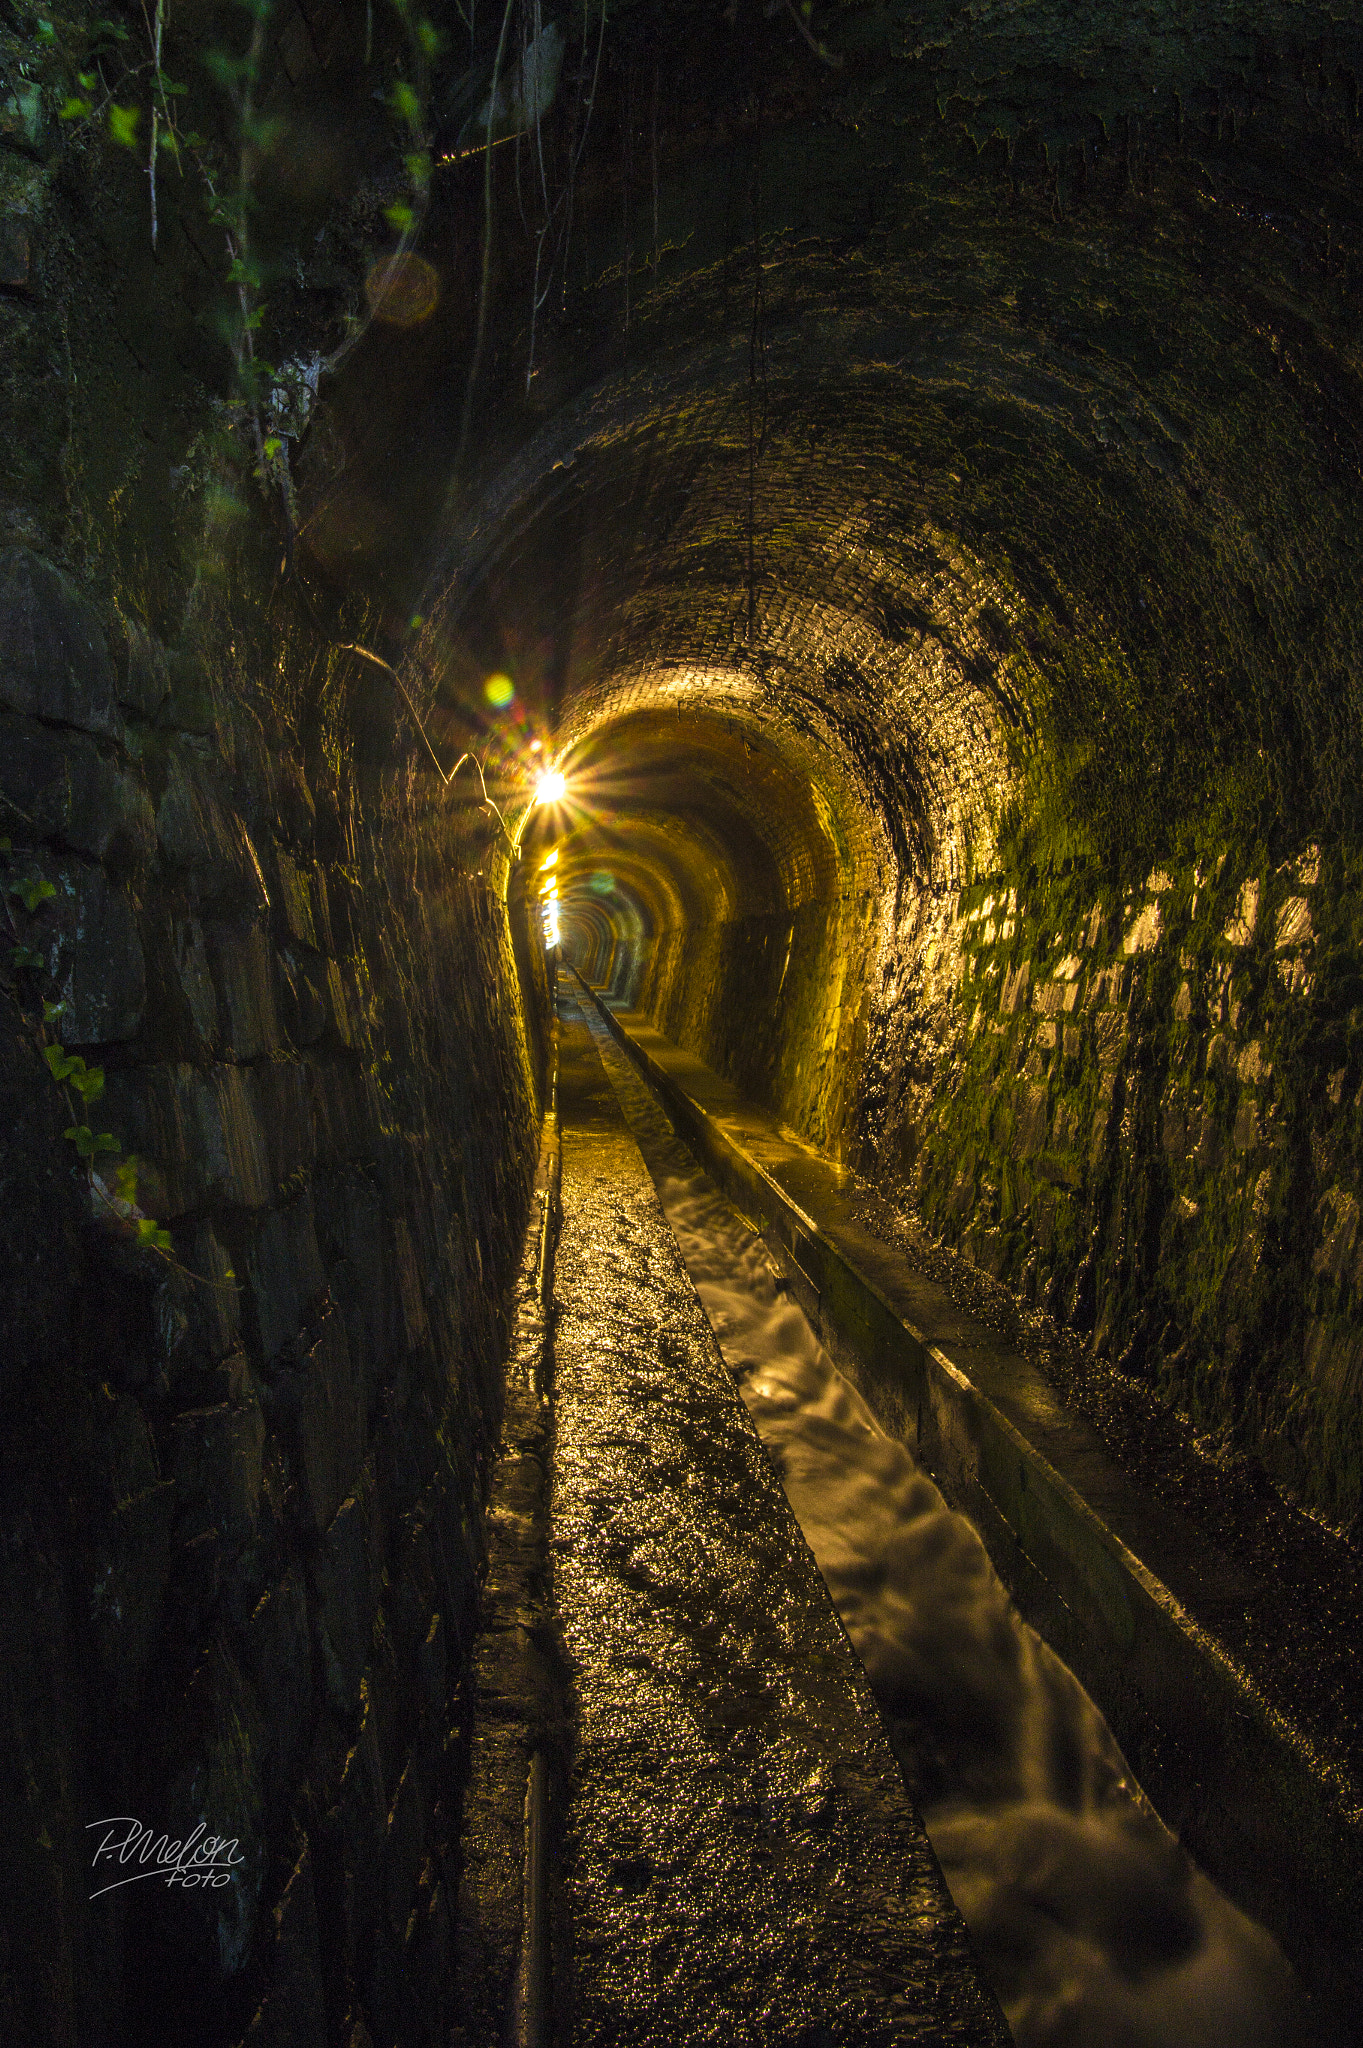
[
  {"x": 32, "y": 891},
  {"x": 74, "y": 109},
  {"x": 123, "y": 125},
  {"x": 399, "y": 217},
  {"x": 58, "y": 1065},
  {"x": 153, "y": 1234},
  {"x": 406, "y": 105},
  {"x": 24, "y": 956},
  {"x": 51, "y": 1012},
  {"x": 89, "y": 1085}
]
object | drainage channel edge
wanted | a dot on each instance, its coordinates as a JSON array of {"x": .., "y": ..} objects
[{"x": 1276, "y": 1825}]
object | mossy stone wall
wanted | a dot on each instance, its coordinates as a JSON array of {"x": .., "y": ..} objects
[
  {"x": 241, "y": 1483},
  {"x": 1145, "y": 1117}
]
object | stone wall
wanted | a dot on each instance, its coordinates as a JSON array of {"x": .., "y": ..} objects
[
  {"x": 1142, "y": 1111},
  {"x": 241, "y": 1480},
  {"x": 776, "y": 1003}
]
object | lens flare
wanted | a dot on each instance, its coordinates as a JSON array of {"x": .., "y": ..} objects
[
  {"x": 402, "y": 290},
  {"x": 499, "y": 691},
  {"x": 550, "y": 787},
  {"x": 550, "y": 860}
]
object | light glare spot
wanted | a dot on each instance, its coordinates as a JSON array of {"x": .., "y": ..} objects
[
  {"x": 499, "y": 691},
  {"x": 402, "y": 290}
]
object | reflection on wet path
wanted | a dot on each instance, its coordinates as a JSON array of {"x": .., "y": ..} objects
[
  {"x": 1094, "y": 1928},
  {"x": 740, "y": 1862}
]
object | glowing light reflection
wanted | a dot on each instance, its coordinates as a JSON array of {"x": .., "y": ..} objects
[{"x": 402, "y": 290}]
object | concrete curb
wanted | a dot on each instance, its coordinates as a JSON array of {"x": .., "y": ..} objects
[{"x": 1278, "y": 1828}]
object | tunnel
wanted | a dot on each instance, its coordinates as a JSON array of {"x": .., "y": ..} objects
[{"x": 681, "y": 1106}]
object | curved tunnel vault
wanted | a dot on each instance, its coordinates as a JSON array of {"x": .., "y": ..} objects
[
  {"x": 903, "y": 467},
  {"x": 943, "y": 613}
]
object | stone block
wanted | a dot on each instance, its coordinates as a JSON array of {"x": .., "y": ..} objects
[
  {"x": 411, "y": 1595},
  {"x": 290, "y": 798},
  {"x": 199, "y": 1135},
  {"x": 235, "y": 1138},
  {"x": 315, "y": 998},
  {"x": 88, "y": 938},
  {"x": 196, "y": 981},
  {"x": 143, "y": 676},
  {"x": 278, "y": 1092},
  {"x": 54, "y": 663},
  {"x": 243, "y": 969},
  {"x": 406, "y": 1836},
  {"x": 293, "y": 2011},
  {"x": 343, "y": 1023},
  {"x": 340, "y": 1112},
  {"x": 63, "y": 786},
  {"x": 432, "y": 1677},
  {"x": 1030, "y": 1116},
  {"x": 365, "y": 1275},
  {"x": 329, "y": 1422},
  {"x": 276, "y": 1650},
  {"x": 1015, "y": 986},
  {"x": 295, "y": 901},
  {"x": 410, "y": 1291},
  {"x": 408, "y": 1448},
  {"x": 457, "y": 1547},
  {"x": 286, "y": 1274},
  {"x": 208, "y": 1773},
  {"x": 364, "y": 1828},
  {"x": 1246, "y": 1132},
  {"x": 347, "y": 1572},
  {"x": 207, "y": 842},
  {"x": 191, "y": 703},
  {"x": 218, "y": 1470},
  {"x": 131, "y": 1569}
]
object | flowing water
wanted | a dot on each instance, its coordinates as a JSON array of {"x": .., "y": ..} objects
[{"x": 1094, "y": 1927}]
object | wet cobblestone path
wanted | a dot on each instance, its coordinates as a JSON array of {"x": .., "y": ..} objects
[{"x": 738, "y": 1860}]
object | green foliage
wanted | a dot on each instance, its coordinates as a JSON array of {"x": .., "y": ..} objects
[
  {"x": 122, "y": 123},
  {"x": 32, "y": 890},
  {"x": 70, "y": 1068},
  {"x": 89, "y": 1144}
]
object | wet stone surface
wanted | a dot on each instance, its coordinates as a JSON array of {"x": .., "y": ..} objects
[{"x": 741, "y": 1861}]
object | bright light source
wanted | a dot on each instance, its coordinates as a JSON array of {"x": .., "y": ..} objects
[
  {"x": 549, "y": 860},
  {"x": 550, "y": 787}
]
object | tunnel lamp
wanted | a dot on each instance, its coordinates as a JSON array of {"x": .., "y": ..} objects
[
  {"x": 549, "y": 860},
  {"x": 550, "y": 787}
]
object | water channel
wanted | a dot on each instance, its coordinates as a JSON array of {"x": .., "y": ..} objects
[{"x": 1093, "y": 1925}]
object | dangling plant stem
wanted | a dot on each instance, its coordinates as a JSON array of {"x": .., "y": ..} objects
[
  {"x": 757, "y": 353},
  {"x": 655, "y": 174},
  {"x": 484, "y": 283}
]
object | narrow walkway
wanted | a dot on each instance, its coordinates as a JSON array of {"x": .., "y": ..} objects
[{"x": 740, "y": 1862}]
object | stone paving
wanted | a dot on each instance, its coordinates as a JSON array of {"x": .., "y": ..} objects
[{"x": 740, "y": 1860}]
